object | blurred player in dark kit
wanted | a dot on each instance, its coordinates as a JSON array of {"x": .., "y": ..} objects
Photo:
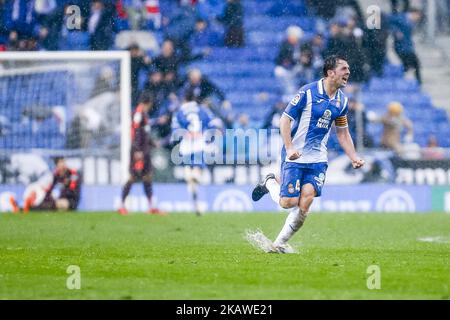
[{"x": 140, "y": 160}]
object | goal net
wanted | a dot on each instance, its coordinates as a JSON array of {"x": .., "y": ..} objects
[{"x": 71, "y": 104}]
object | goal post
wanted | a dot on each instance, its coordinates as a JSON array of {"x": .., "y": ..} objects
[{"x": 39, "y": 83}]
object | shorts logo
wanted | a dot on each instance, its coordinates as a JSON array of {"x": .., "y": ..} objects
[
  {"x": 291, "y": 188},
  {"x": 320, "y": 179}
]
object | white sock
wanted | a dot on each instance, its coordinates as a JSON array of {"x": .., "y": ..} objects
[
  {"x": 274, "y": 189},
  {"x": 294, "y": 222}
]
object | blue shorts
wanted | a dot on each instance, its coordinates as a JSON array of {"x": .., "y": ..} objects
[{"x": 295, "y": 175}]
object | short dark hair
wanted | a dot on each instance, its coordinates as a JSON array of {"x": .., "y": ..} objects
[
  {"x": 189, "y": 95},
  {"x": 146, "y": 97},
  {"x": 57, "y": 159},
  {"x": 133, "y": 46},
  {"x": 331, "y": 62}
]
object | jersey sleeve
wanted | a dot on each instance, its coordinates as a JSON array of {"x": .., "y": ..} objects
[
  {"x": 341, "y": 120},
  {"x": 297, "y": 104}
]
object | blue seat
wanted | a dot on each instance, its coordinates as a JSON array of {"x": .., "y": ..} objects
[
  {"x": 393, "y": 70},
  {"x": 407, "y": 85},
  {"x": 261, "y": 38},
  {"x": 76, "y": 40}
]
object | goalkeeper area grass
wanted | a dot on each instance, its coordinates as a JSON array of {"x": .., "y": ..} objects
[{"x": 182, "y": 256}]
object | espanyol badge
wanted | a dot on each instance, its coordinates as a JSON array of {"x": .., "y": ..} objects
[{"x": 291, "y": 188}]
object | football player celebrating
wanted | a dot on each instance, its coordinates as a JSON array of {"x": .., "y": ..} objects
[{"x": 305, "y": 127}]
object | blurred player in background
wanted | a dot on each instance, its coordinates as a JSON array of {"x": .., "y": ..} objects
[
  {"x": 39, "y": 195},
  {"x": 140, "y": 160},
  {"x": 194, "y": 119},
  {"x": 305, "y": 127}
]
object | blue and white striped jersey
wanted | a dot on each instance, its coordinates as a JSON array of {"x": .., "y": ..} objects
[
  {"x": 312, "y": 113},
  {"x": 194, "y": 119}
]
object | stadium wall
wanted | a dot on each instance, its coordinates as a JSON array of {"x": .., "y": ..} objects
[{"x": 232, "y": 198}]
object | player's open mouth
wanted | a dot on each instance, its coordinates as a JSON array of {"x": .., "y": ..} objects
[{"x": 345, "y": 79}]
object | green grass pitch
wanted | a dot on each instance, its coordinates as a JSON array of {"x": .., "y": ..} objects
[{"x": 182, "y": 256}]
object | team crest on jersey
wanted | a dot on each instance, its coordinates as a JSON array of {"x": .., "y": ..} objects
[
  {"x": 324, "y": 121},
  {"x": 297, "y": 98},
  {"x": 291, "y": 188}
]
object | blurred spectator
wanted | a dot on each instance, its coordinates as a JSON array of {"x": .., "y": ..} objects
[
  {"x": 287, "y": 58},
  {"x": 181, "y": 27},
  {"x": 202, "y": 87},
  {"x": 204, "y": 91},
  {"x": 20, "y": 17},
  {"x": 318, "y": 46},
  {"x": 346, "y": 39},
  {"x": 206, "y": 35},
  {"x": 375, "y": 40},
  {"x": 157, "y": 89},
  {"x": 49, "y": 18},
  {"x": 142, "y": 12},
  {"x": 394, "y": 122},
  {"x": 442, "y": 16},
  {"x": 328, "y": 9},
  {"x": 290, "y": 48},
  {"x": 100, "y": 26},
  {"x": 3, "y": 27},
  {"x": 168, "y": 62},
  {"x": 106, "y": 81},
  {"x": 139, "y": 61},
  {"x": 402, "y": 27},
  {"x": 357, "y": 121},
  {"x": 152, "y": 13},
  {"x": 44, "y": 10},
  {"x": 395, "y": 6},
  {"x": 305, "y": 71},
  {"x": 243, "y": 122},
  {"x": 433, "y": 151},
  {"x": 232, "y": 18},
  {"x": 272, "y": 119}
]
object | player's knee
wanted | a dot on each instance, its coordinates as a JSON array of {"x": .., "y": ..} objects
[{"x": 287, "y": 203}]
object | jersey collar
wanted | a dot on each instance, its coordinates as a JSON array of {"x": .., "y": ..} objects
[{"x": 322, "y": 91}]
